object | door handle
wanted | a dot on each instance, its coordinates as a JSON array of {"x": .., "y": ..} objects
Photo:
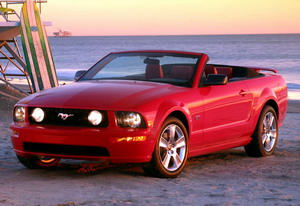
[{"x": 243, "y": 92}]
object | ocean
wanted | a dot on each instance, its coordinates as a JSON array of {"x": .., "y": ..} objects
[{"x": 278, "y": 51}]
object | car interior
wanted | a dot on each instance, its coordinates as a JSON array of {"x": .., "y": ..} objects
[
  {"x": 184, "y": 72},
  {"x": 233, "y": 73}
]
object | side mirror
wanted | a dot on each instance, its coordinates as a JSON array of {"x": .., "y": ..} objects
[
  {"x": 215, "y": 79},
  {"x": 78, "y": 74}
]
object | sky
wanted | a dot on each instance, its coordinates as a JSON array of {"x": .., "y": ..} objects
[{"x": 172, "y": 17}]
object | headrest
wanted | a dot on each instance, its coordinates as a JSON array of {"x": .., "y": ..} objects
[
  {"x": 151, "y": 61},
  {"x": 225, "y": 70},
  {"x": 210, "y": 69},
  {"x": 182, "y": 72}
]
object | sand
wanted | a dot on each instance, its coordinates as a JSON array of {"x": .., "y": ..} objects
[{"x": 225, "y": 178}]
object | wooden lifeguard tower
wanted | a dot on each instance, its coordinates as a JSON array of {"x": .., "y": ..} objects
[{"x": 12, "y": 63}]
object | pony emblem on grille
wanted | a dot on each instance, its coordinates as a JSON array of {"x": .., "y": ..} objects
[{"x": 64, "y": 116}]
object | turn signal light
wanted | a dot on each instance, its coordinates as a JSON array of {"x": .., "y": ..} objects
[{"x": 131, "y": 139}]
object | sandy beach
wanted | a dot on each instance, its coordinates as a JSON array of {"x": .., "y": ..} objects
[{"x": 225, "y": 178}]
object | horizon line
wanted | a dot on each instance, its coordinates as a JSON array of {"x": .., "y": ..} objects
[{"x": 139, "y": 35}]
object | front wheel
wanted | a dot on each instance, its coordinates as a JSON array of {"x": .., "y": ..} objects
[
  {"x": 171, "y": 150},
  {"x": 38, "y": 163},
  {"x": 265, "y": 137}
]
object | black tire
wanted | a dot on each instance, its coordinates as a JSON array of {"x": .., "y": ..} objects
[
  {"x": 38, "y": 163},
  {"x": 265, "y": 136},
  {"x": 170, "y": 153}
]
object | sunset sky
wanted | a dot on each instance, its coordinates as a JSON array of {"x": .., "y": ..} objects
[{"x": 172, "y": 17}]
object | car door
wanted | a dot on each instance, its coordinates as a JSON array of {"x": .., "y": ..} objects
[{"x": 226, "y": 110}]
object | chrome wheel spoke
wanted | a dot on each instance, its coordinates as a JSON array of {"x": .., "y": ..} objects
[
  {"x": 166, "y": 161},
  {"x": 265, "y": 122},
  {"x": 273, "y": 133},
  {"x": 271, "y": 120},
  {"x": 180, "y": 142},
  {"x": 172, "y": 130},
  {"x": 163, "y": 143},
  {"x": 268, "y": 145},
  {"x": 264, "y": 138},
  {"x": 177, "y": 160}
]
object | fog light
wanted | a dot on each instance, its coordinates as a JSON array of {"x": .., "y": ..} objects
[
  {"x": 95, "y": 117},
  {"x": 38, "y": 114}
]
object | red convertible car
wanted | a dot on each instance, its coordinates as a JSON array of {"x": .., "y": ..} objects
[{"x": 152, "y": 107}]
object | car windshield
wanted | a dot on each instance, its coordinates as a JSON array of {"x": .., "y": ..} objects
[{"x": 177, "y": 69}]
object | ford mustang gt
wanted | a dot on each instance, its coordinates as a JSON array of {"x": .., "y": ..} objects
[{"x": 157, "y": 108}]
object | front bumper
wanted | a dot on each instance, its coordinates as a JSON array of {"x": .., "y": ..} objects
[{"x": 114, "y": 144}]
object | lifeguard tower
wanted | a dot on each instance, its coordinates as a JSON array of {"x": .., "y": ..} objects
[{"x": 12, "y": 63}]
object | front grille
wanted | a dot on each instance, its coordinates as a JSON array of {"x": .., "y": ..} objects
[
  {"x": 76, "y": 117},
  {"x": 66, "y": 149}
]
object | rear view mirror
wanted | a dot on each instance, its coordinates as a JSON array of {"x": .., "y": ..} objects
[
  {"x": 78, "y": 74},
  {"x": 216, "y": 79}
]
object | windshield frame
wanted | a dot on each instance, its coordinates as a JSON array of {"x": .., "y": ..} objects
[{"x": 96, "y": 68}]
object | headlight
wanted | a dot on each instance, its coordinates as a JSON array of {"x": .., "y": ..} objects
[
  {"x": 95, "y": 117},
  {"x": 19, "y": 114},
  {"x": 38, "y": 114},
  {"x": 130, "y": 119}
]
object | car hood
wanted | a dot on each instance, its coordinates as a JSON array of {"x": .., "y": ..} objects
[{"x": 104, "y": 95}]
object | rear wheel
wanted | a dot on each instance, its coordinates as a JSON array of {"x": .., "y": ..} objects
[
  {"x": 38, "y": 163},
  {"x": 171, "y": 150},
  {"x": 265, "y": 137}
]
